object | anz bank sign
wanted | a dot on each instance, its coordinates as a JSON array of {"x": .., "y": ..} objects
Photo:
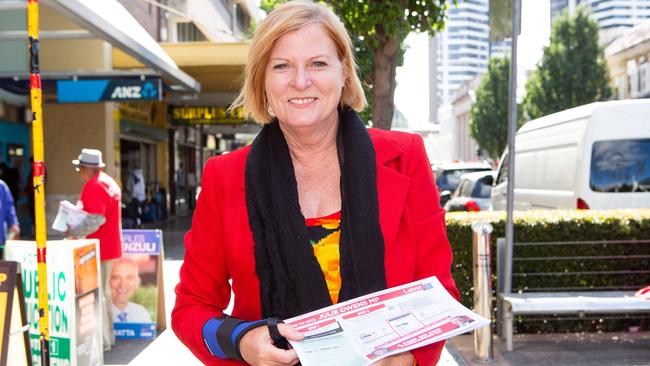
[{"x": 117, "y": 90}]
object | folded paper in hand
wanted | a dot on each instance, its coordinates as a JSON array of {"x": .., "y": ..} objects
[
  {"x": 364, "y": 330},
  {"x": 77, "y": 222}
]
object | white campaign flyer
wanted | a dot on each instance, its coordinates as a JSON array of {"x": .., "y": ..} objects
[{"x": 366, "y": 329}]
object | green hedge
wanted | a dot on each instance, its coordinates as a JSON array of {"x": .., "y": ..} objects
[{"x": 549, "y": 226}]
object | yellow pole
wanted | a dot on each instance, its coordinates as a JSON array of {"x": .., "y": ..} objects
[{"x": 39, "y": 178}]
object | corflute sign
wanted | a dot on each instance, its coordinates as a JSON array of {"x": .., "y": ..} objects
[
  {"x": 75, "y": 321},
  {"x": 134, "y": 284},
  {"x": 117, "y": 90}
]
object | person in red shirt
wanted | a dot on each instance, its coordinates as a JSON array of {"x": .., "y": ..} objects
[{"x": 101, "y": 195}]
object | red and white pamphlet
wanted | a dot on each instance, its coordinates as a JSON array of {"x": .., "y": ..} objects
[{"x": 364, "y": 330}]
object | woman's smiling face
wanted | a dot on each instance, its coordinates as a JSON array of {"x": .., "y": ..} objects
[{"x": 304, "y": 77}]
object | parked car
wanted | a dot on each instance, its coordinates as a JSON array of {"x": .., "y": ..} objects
[
  {"x": 473, "y": 192},
  {"x": 448, "y": 176},
  {"x": 595, "y": 156}
]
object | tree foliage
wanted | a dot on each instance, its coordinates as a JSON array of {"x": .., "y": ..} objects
[
  {"x": 572, "y": 71},
  {"x": 489, "y": 114},
  {"x": 500, "y": 19},
  {"x": 378, "y": 30}
]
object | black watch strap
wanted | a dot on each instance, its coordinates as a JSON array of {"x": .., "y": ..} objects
[{"x": 278, "y": 340}]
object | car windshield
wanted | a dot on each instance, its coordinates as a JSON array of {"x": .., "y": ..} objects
[
  {"x": 620, "y": 166},
  {"x": 448, "y": 180},
  {"x": 482, "y": 188}
]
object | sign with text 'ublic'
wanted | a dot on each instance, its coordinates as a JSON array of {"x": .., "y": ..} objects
[
  {"x": 75, "y": 320},
  {"x": 115, "y": 90}
]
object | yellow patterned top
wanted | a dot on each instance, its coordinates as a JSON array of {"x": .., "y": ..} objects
[{"x": 324, "y": 234}]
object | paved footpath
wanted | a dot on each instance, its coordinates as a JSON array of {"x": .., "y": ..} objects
[{"x": 574, "y": 349}]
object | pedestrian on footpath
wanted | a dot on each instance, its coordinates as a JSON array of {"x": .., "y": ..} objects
[
  {"x": 317, "y": 211},
  {"x": 101, "y": 195},
  {"x": 8, "y": 216},
  {"x": 11, "y": 176}
]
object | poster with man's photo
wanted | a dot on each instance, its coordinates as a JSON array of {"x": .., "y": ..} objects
[
  {"x": 88, "y": 327},
  {"x": 134, "y": 284}
]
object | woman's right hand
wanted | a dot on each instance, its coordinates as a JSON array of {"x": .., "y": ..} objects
[{"x": 257, "y": 348}]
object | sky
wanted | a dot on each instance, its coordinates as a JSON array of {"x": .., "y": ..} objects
[{"x": 412, "y": 92}]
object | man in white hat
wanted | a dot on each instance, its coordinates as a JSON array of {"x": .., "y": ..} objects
[{"x": 101, "y": 195}]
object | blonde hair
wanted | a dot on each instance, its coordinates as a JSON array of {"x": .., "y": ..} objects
[{"x": 286, "y": 18}]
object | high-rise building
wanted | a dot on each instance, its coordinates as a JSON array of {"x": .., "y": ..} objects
[
  {"x": 617, "y": 13},
  {"x": 559, "y": 6},
  {"x": 460, "y": 52},
  {"x": 613, "y": 16},
  {"x": 500, "y": 47}
]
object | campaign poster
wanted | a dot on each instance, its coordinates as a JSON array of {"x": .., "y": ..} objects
[
  {"x": 60, "y": 299},
  {"x": 88, "y": 314},
  {"x": 134, "y": 284}
]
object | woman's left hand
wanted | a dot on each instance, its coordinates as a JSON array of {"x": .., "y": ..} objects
[
  {"x": 402, "y": 359},
  {"x": 257, "y": 348}
]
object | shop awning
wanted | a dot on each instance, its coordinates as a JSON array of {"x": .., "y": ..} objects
[
  {"x": 217, "y": 66},
  {"x": 109, "y": 20}
]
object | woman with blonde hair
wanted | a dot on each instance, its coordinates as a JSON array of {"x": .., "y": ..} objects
[{"x": 317, "y": 210}]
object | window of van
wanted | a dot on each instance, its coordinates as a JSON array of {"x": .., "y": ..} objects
[
  {"x": 620, "y": 166},
  {"x": 503, "y": 171}
]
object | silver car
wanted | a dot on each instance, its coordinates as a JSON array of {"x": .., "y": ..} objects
[{"x": 473, "y": 192}]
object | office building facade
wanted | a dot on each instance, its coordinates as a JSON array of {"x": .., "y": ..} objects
[
  {"x": 461, "y": 52},
  {"x": 613, "y": 16}
]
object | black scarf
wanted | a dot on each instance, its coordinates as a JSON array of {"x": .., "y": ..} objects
[{"x": 291, "y": 281}]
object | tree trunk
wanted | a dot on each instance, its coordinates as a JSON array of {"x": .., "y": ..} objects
[{"x": 383, "y": 86}]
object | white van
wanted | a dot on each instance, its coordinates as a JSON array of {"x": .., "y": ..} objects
[{"x": 595, "y": 156}]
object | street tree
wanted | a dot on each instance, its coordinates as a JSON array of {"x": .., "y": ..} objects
[
  {"x": 378, "y": 30},
  {"x": 489, "y": 113},
  {"x": 572, "y": 70}
]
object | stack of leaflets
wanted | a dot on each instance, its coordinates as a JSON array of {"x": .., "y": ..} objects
[
  {"x": 75, "y": 221},
  {"x": 366, "y": 329}
]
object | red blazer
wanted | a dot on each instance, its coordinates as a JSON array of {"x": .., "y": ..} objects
[{"x": 219, "y": 247}]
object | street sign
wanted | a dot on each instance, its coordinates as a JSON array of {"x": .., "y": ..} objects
[
  {"x": 116, "y": 90},
  {"x": 186, "y": 116}
]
